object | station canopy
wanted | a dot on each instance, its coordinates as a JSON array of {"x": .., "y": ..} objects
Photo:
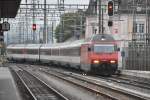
[{"x": 9, "y": 8}]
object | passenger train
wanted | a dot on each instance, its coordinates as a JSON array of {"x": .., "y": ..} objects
[{"x": 97, "y": 54}]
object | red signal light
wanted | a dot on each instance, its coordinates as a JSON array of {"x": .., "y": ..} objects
[
  {"x": 34, "y": 27},
  {"x": 110, "y": 8}
]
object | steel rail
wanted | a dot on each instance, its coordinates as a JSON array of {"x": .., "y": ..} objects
[
  {"x": 136, "y": 96},
  {"x": 49, "y": 89},
  {"x": 25, "y": 84}
]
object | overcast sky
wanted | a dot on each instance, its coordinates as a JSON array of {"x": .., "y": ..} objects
[{"x": 66, "y": 1}]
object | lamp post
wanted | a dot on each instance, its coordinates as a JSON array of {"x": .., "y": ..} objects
[
  {"x": 33, "y": 20},
  {"x": 99, "y": 16},
  {"x": 45, "y": 24}
]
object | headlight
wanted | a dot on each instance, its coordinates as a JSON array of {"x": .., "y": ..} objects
[
  {"x": 112, "y": 61},
  {"x": 96, "y": 61}
]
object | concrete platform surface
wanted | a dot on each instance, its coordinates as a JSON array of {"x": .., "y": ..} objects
[
  {"x": 136, "y": 73},
  {"x": 8, "y": 90}
]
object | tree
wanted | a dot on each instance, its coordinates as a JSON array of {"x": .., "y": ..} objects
[{"x": 69, "y": 26}]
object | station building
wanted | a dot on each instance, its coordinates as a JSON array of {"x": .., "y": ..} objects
[{"x": 130, "y": 22}]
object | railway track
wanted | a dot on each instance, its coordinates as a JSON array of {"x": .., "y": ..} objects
[
  {"x": 38, "y": 89},
  {"x": 103, "y": 96},
  {"x": 94, "y": 86},
  {"x": 144, "y": 84},
  {"x": 101, "y": 89},
  {"x": 127, "y": 81}
]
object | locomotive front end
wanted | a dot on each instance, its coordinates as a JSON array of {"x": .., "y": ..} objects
[{"x": 104, "y": 59}]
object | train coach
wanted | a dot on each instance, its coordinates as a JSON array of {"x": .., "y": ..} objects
[{"x": 97, "y": 54}]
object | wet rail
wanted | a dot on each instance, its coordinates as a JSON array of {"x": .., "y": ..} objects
[
  {"x": 110, "y": 92},
  {"x": 23, "y": 91},
  {"x": 77, "y": 83},
  {"x": 128, "y": 81},
  {"x": 103, "y": 89},
  {"x": 37, "y": 88}
]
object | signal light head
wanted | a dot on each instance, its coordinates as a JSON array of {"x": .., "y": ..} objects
[
  {"x": 110, "y": 8},
  {"x": 110, "y": 23},
  {"x": 34, "y": 27}
]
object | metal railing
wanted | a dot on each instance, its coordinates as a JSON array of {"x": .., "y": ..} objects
[{"x": 139, "y": 53}]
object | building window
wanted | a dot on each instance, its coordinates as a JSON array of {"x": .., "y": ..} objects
[{"x": 139, "y": 28}]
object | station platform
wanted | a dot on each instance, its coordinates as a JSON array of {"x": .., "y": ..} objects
[
  {"x": 8, "y": 90},
  {"x": 136, "y": 73}
]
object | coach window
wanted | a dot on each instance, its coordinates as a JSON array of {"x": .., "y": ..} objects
[
  {"x": 42, "y": 52},
  {"x": 35, "y": 51},
  {"x": 32, "y": 51},
  {"x": 75, "y": 51},
  {"x": 46, "y": 52},
  {"x": 55, "y": 51},
  {"x": 13, "y": 51},
  {"x": 66, "y": 52},
  {"x": 9, "y": 51},
  {"x": 62, "y": 52},
  {"x": 17, "y": 51}
]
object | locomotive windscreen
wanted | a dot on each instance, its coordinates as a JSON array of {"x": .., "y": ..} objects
[
  {"x": 104, "y": 48},
  {"x": 102, "y": 38}
]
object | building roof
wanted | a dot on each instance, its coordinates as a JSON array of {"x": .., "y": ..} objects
[
  {"x": 91, "y": 8},
  {"x": 134, "y": 6},
  {"x": 9, "y": 8},
  {"x": 125, "y": 6}
]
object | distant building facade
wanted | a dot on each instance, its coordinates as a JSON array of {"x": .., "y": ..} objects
[{"x": 130, "y": 17}]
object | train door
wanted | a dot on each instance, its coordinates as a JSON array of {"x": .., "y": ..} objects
[{"x": 85, "y": 65}]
